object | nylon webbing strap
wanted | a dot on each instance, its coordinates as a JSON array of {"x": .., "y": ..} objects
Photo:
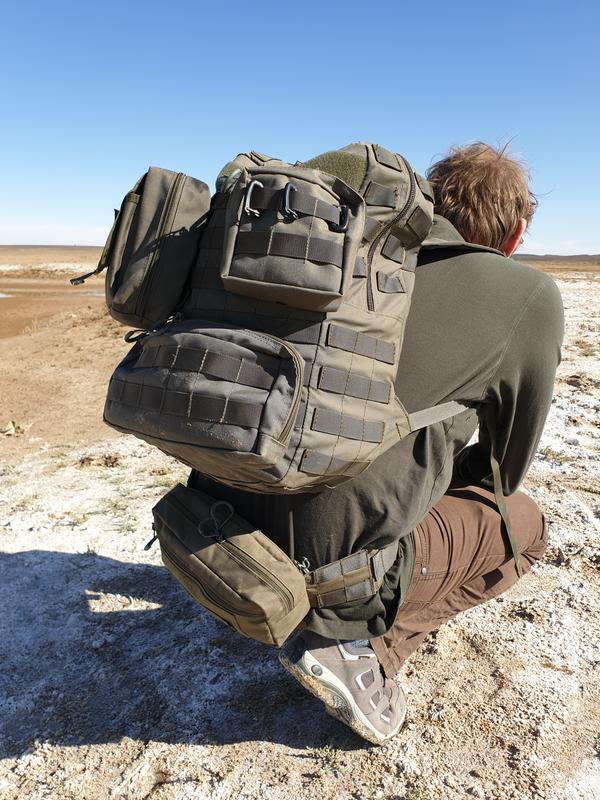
[
  {"x": 299, "y": 201},
  {"x": 212, "y": 238},
  {"x": 387, "y": 158},
  {"x": 130, "y": 197},
  {"x": 429, "y": 416},
  {"x": 425, "y": 187},
  {"x": 361, "y": 343},
  {"x": 192, "y": 405},
  {"x": 390, "y": 284},
  {"x": 363, "y": 430},
  {"x": 393, "y": 249},
  {"x": 501, "y": 503},
  {"x": 308, "y": 334},
  {"x": 355, "y": 577},
  {"x": 290, "y": 245},
  {"x": 218, "y": 365},
  {"x": 315, "y": 463},
  {"x": 379, "y": 195},
  {"x": 353, "y": 384},
  {"x": 261, "y": 158},
  {"x": 360, "y": 268}
]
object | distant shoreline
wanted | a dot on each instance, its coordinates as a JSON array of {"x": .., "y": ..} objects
[{"x": 91, "y": 251}]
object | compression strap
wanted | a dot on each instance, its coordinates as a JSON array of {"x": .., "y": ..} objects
[{"x": 501, "y": 503}]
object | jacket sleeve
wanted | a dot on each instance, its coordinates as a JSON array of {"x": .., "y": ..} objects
[{"x": 517, "y": 399}]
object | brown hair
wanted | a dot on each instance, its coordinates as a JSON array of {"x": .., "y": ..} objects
[{"x": 483, "y": 192}]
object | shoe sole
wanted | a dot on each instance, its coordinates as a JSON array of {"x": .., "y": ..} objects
[{"x": 338, "y": 701}]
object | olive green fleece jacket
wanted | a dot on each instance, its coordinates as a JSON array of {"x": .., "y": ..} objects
[{"x": 482, "y": 329}]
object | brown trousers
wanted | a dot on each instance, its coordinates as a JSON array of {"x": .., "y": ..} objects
[{"x": 462, "y": 559}]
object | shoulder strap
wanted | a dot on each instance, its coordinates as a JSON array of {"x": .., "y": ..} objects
[
  {"x": 354, "y": 577},
  {"x": 421, "y": 419},
  {"x": 501, "y": 502}
]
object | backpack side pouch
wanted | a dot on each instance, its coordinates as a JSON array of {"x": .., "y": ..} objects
[
  {"x": 152, "y": 246},
  {"x": 231, "y": 569}
]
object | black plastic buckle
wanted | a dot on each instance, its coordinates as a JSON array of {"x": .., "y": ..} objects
[
  {"x": 247, "y": 207},
  {"x": 342, "y": 225},
  {"x": 289, "y": 212}
]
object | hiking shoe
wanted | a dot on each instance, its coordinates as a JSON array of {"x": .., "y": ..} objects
[{"x": 348, "y": 678}]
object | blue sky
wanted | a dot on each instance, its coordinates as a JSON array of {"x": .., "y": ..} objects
[{"x": 92, "y": 93}]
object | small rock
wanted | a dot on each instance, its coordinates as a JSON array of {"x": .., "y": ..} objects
[{"x": 475, "y": 791}]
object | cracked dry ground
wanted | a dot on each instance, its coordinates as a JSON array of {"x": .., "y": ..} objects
[{"x": 114, "y": 685}]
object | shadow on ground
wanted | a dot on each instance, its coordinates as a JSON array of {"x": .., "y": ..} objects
[{"x": 95, "y": 650}]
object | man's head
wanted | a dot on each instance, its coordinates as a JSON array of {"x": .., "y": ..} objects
[{"x": 484, "y": 193}]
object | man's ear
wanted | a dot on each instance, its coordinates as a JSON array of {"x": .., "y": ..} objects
[{"x": 514, "y": 240}]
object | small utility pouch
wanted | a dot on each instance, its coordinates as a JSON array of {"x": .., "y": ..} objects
[
  {"x": 291, "y": 236},
  {"x": 152, "y": 246},
  {"x": 231, "y": 569}
]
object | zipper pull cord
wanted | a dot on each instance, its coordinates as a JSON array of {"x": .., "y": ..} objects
[
  {"x": 212, "y": 525},
  {"x": 149, "y": 544}
]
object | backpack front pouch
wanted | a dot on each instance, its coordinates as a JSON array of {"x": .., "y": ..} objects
[
  {"x": 291, "y": 237},
  {"x": 231, "y": 569},
  {"x": 220, "y": 398}
]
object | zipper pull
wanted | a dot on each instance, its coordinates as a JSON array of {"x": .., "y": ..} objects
[
  {"x": 83, "y": 278},
  {"x": 149, "y": 544}
]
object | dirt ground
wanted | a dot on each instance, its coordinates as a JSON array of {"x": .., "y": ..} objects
[{"x": 115, "y": 685}]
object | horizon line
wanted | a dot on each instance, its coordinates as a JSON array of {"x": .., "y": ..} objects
[{"x": 516, "y": 256}]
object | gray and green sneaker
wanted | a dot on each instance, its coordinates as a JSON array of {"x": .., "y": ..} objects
[{"x": 348, "y": 678}]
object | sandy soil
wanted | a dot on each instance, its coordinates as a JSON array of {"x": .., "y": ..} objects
[
  {"x": 115, "y": 685},
  {"x": 45, "y": 256}
]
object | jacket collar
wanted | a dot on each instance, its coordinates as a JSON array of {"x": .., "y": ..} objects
[{"x": 443, "y": 234}]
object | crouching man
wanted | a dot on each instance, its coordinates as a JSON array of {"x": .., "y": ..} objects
[{"x": 483, "y": 330}]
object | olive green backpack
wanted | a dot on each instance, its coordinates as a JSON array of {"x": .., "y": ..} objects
[{"x": 277, "y": 373}]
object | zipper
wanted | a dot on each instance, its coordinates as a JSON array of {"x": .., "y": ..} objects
[
  {"x": 246, "y": 561},
  {"x": 411, "y": 196},
  {"x": 204, "y": 590},
  {"x": 299, "y": 364},
  {"x": 255, "y": 566},
  {"x": 171, "y": 205}
]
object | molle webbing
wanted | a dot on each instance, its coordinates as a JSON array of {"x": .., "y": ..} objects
[
  {"x": 217, "y": 365},
  {"x": 300, "y": 202},
  {"x": 379, "y": 195},
  {"x": 192, "y": 405},
  {"x": 341, "y": 382},
  {"x": 315, "y": 463},
  {"x": 290, "y": 245},
  {"x": 355, "y": 577},
  {"x": 363, "y": 430},
  {"x": 361, "y": 343}
]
